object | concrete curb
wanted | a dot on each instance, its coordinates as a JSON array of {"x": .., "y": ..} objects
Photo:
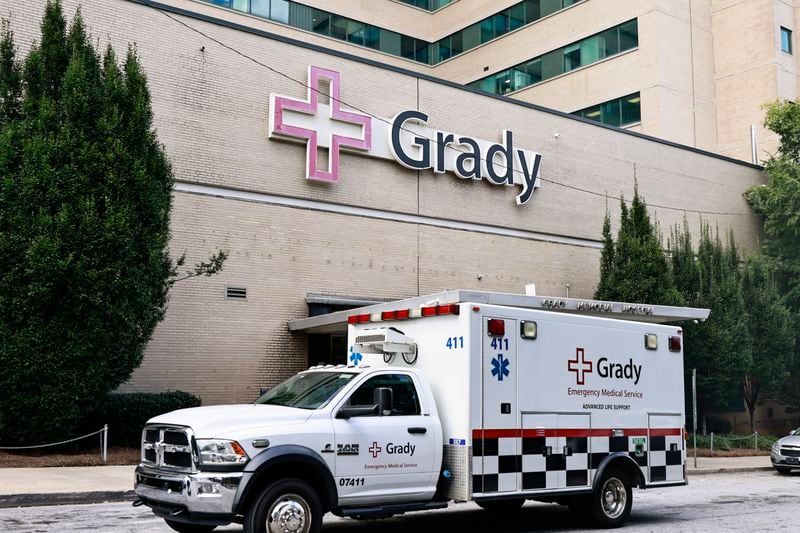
[
  {"x": 64, "y": 498},
  {"x": 733, "y": 470}
]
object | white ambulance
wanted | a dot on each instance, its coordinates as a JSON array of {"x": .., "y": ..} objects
[{"x": 457, "y": 396}]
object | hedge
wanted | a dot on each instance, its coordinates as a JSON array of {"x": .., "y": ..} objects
[{"x": 127, "y": 413}]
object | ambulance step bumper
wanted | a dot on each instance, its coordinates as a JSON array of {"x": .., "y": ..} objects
[{"x": 385, "y": 511}]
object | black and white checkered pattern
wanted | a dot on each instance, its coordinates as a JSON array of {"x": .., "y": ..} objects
[
  {"x": 496, "y": 467},
  {"x": 666, "y": 459}
]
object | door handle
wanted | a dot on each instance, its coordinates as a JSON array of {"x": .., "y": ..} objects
[{"x": 417, "y": 431}]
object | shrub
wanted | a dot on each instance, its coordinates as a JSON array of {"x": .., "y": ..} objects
[{"x": 127, "y": 413}]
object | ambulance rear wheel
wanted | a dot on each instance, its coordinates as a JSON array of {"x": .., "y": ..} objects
[
  {"x": 610, "y": 506},
  {"x": 502, "y": 506}
]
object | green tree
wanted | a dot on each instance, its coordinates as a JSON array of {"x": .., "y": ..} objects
[
  {"x": 634, "y": 268},
  {"x": 720, "y": 347},
  {"x": 778, "y": 203},
  {"x": 771, "y": 330},
  {"x": 84, "y": 225}
]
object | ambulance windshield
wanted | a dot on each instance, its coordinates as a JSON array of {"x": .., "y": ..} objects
[{"x": 310, "y": 390}]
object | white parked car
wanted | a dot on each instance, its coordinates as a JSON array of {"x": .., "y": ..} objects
[{"x": 786, "y": 452}]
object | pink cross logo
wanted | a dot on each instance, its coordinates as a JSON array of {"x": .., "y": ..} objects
[
  {"x": 335, "y": 141},
  {"x": 580, "y": 366}
]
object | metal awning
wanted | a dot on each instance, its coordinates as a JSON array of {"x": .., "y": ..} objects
[{"x": 657, "y": 314}]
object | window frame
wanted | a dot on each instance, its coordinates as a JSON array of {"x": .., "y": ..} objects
[
  {"x": 357, "y": 387},
  {"x": 784, "y": 31}
]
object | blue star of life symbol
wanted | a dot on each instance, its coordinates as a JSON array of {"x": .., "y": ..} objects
[
  {"x": 355, "y": 357},
  {"x": 500, "y": 367}
]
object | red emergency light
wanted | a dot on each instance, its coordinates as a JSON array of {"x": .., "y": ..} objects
[
  {"x": 496, "y": 327},
  {"x": 675, "y": 344},
  {"x": 403, "y": 314}
]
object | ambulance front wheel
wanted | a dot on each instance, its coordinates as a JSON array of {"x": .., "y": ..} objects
[{"x": 610, "y": 506}]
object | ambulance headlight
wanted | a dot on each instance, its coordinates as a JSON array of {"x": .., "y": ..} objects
[
  {"x": 221, "y": 452},
  {"x": 528, "y": 330},
  {"x": 651, "y": 341}
]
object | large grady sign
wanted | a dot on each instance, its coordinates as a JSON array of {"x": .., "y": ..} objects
[{"x": 320, "y": 121}]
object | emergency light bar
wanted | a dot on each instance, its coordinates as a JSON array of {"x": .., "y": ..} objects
[{"x": 402, "y": 314}]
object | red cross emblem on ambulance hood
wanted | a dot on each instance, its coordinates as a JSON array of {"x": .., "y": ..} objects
[{"x": 580, "y": 365}]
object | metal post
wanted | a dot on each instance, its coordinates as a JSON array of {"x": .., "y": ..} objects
[
  {"x": 756, "y": 434},
  {"x": 694, "y": 413},
  {"x": 712, "y": 442},
  {"x": 105, "y": 443}
]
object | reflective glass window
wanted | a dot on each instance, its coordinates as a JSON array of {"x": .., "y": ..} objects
[
  {"x": 628, "y": 36},
  {"x": 372, "y": 37},
  {"x": 618, "y": 112},
  {"x": 534, "y": 69},
  {"x": 321, "y": 22},
  {"x": 584, "y": 52},
  {"x": 786, "y": 40},
  {"x": 516, "y": 17},
  {"x": 631, "y": 109},
  {"x": 259, "y": 8},
  {"x": 279, "y": 11}
]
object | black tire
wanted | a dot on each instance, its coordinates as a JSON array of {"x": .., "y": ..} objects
[
  {"x": 502, "y": 506},
  {"x": 783, "y": 470},
  {"x": 610, "y": 505},
  {"x": 294, "y": 500},
  {"x": 183, "y": 527}
]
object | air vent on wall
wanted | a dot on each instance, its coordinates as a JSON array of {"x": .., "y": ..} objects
[{"x": 239, "y": 293}]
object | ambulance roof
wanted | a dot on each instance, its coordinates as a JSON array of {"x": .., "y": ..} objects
[{"x": 657, "y": 314}]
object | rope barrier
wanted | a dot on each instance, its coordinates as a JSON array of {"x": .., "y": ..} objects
[{"x": 101, "y": 430}]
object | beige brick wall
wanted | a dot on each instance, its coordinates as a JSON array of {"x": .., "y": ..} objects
[
  {"x": 751, "y": 70},
  {"x": 211, "y": 111}
]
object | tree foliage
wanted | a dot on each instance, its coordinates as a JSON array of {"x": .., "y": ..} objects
[
  {"x": 84, "y": 225},
  {"x": 720, "y": 347},
  {"x": 634, "y": 268},
  {"x": 778, "y": 203},
  {"x": 772, "y": 333}
]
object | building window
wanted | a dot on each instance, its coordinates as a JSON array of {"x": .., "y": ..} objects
[
  {"x": 620, "y": 112},
  {"x": 786, "y": 40},
  {"x": 346, "y": 29},
  {"x": 428, "y": 5},
  {"x": 579, "y": 54}
]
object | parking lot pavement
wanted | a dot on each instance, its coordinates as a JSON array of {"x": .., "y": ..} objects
[{"x": 749, "y": 501}]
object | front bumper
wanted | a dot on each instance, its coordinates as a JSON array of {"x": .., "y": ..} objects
[
  {"x": 200, "y": 497},
  {"x": 783, "y": 460}
]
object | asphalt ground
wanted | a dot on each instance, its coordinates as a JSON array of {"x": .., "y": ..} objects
[{"x": 755, "y": 500}]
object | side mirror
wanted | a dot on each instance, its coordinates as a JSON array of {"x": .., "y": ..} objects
[
  {"x": 383, "y": 398},
  {"x": 262, "y": 391},
  {"x": 349, "y": 411}
]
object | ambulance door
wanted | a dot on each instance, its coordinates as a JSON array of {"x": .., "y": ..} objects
[
  {"x": 573, "y": 448},
  {"x": 389, "y": 455},
  {"x": 665, "y": 448},
  {"x": 499, "y": 450}
]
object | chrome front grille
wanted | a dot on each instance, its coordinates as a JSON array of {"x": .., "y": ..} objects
[
  {"x": 790, "y": 452},
  {"x": 168, "y": 447}
]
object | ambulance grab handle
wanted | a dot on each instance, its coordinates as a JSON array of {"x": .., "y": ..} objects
[{"x": 417, "y": 431}]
